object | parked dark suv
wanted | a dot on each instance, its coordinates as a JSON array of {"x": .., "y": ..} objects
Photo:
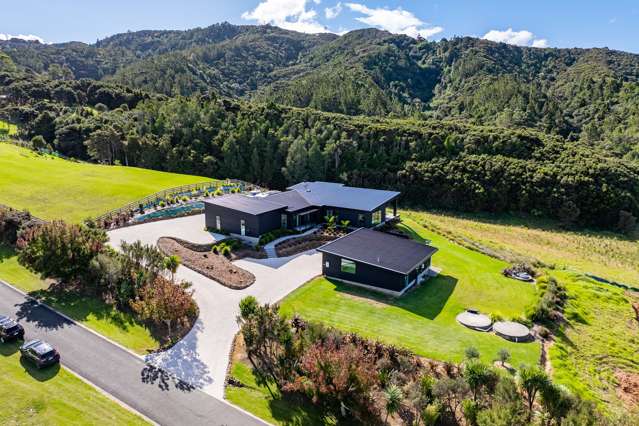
[
  {"x": 10, "y": 330},
  {"x": 40, "y": 353}
]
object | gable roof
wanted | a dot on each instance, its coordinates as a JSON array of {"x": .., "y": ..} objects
[
  {"x": 246, "y": 204},
  {"x": 380, "y": 249},
  {"x": 339, "y": 195}
]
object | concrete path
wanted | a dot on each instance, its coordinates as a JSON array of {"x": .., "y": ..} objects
[
  {"x": 201, "y": 358},
  {"x": 270, "y": 247},
  {"x": 118, "y": 372}
]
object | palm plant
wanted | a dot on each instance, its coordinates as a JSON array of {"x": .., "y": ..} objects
[
  {"x": 171, "y": 263},
  {"x": 394, "y": 396}
]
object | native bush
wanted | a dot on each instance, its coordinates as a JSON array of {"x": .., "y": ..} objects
[{"x": 60, "y": 251}]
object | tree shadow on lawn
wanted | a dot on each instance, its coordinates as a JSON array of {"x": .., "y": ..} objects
[
  {"x": 295, "y": 410},
  {"x": 80, "y": 307},
  {"x": 426, "y": 300}
]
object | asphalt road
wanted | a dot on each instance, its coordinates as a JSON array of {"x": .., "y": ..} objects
[{"x": 118, "y": 372}]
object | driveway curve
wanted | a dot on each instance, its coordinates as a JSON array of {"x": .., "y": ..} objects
[{"x": 201, "y": 358}]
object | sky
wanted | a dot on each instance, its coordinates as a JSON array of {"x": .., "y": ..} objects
[{"x": 539, "y": 23}]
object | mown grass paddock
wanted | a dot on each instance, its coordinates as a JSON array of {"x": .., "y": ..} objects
[{"x": 54, "y": 188}]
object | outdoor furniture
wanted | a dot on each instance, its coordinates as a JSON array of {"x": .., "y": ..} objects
[
  {"x": 512, "y": 331},
  {"x": 471, "y": 318}
]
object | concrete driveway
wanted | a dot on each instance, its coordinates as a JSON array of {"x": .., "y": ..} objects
[
  {"x": 189, "y": 228},
  {"x": 201, "y": 358}
]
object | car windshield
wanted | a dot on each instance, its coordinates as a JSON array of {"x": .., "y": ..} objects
[
  {"x": 43, "y": 349},
  {"x": 12, "y": 329}
]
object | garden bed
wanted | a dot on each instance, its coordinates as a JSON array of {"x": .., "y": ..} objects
[
  {"x": 214, "y": 266},
  {"x": 308, "y": 242}
]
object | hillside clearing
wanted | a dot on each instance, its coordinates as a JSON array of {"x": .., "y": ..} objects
[
  {"x": 53, "y": 188},
  {"x": 605, "y": 254}
]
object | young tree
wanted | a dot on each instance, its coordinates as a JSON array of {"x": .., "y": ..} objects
[
  {"x": 503, "y": 355},
  {"x": 531, "y": 381},
  {"x": 269, "y": 342},
  {"x": 171, "y": 263},
  {"x": 479, "y": 377},
  {"x": 163, "y": 301}
]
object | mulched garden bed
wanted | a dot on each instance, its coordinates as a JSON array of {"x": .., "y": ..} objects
[
  {"x": 214, "y": 266},
  {"x": 308, "y": 242}
]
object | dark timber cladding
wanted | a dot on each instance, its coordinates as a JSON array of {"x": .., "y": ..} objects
[
  {"x": 229, "y": 212},
  {"x": 303, "y": 205},
  {"x": 376, "y": 259}
]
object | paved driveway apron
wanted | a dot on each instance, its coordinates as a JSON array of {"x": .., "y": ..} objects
[
  {"x": 201, "y": 358},
  {"x": 147, "y": 389}
]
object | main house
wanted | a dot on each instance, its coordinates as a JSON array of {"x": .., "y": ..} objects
[{"x": 300, "y": 206}]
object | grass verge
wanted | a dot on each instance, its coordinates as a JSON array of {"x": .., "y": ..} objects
[
  {"x": 89, "y": 311},
  {"x": 52, "y": 396}
]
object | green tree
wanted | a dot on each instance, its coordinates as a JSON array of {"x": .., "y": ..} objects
[
  {"x": 393, "y": 396},
  {"x": 531, "y": 381}
]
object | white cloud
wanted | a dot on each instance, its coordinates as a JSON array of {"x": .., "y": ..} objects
[
  {"x": 398, "y": 21},
  {"x": 29, "y": 37},
  {"x": 519, "y": 38},
  {"x": 288, "y": 14},
  {"x": 333, "y": 12},
  {"x": 540, "y": 42}
]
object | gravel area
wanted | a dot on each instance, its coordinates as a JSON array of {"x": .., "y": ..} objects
[
  {"x": 209, "y": 264},
  {"x": 312, "y": 241}
]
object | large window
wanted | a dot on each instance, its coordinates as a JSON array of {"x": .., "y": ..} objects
[
  {"x": 348, "y": 266},
  {"x": 377, "y": 217}
]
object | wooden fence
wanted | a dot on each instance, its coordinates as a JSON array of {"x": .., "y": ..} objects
[{"x": 180, "y": 191}]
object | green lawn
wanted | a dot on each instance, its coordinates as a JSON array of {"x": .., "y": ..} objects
[
  {"x": 53, "y": 188},
  {"x": 90, "y": 311},
  {"x": 424, "y": 319},
  {"x": 52, "y": 396},
  {"x": 600, "y": 340}
]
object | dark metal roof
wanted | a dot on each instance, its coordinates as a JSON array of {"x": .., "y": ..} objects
[
  {"x": 338, "y": 195},
  {"x": 292, "y": 199},
  {"x": 380, "y": 249},
  {"x": 246, "y": 204}
]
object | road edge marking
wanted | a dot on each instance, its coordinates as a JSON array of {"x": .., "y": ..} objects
[
  {"x": 17, "y": 290},
  {"x": 111, "y": 396},
  {"x": 68, "y": 318}
]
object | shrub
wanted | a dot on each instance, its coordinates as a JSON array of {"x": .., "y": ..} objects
[
  {"x": 185, "y": 199},
  {"x": 275, "y": 234},
  {"x": 225, "y": 251},
  {"x": 519, "y": 268},
  {"x": 162, "y": 204},
  {"x": 60, "y": 251},
  {"x": 471, "y": 352},
  {"x": 38, "y": 143}
]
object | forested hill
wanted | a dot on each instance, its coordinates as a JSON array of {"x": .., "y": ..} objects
[{"x": 590, "y": 95}]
